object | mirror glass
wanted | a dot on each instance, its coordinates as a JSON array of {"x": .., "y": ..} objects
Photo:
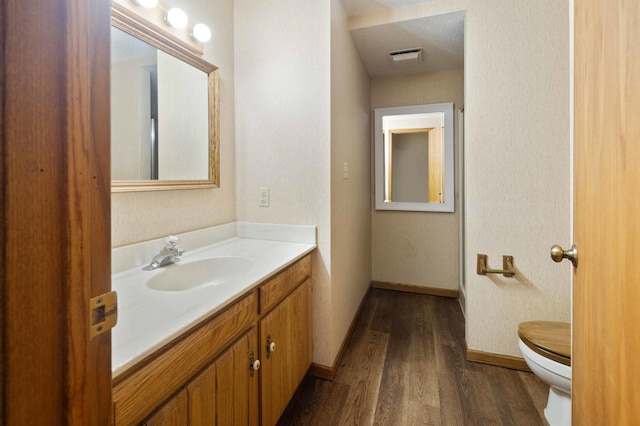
[
  {"x": 161, "y": 124},
  {"x": 414, "y": 158}
]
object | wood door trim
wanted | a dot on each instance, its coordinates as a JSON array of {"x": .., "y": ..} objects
[
  {"x": 406, "y": 131},
  {"x": 3, "y": 228},
  {"x": 499, "y": 360},
  {"x": 55, "y": 109}
]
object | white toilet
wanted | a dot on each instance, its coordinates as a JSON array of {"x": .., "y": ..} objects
[{"x": 546, "y": 348}]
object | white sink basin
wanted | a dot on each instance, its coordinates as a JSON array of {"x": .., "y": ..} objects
[{"x": 187, "y": 276}]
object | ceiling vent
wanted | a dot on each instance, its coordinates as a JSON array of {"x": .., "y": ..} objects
[{"x": 406, "y": 56}]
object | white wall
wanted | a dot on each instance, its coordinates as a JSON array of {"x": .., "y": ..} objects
[
  {"x": 351, "y": 197},
  {"x": 283, "y": 129},
  {"x": 147, "y": 215},
  {"x": 518, "y": 166},
  {"x": 302, "y": 111},
  {"x": 517, "y": 136},
  {"x": 418, "y": 248}
]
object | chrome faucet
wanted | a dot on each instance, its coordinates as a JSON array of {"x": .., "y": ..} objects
[{"x": 169, "y": 254}]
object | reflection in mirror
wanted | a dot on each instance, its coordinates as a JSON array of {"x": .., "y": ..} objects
[
  {"x": 164, "y": 122},
  {"x": 414, "y": 158},
  {"x": 159, "y": 114}
]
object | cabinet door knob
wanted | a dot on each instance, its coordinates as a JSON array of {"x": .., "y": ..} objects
[
  {"x": 271, "y": 346},
  {"x": 254, "y": 364}
]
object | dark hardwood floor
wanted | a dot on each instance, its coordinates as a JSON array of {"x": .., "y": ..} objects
[{"x": 405, "y": 365}]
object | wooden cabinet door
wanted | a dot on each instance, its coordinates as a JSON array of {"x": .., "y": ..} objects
[
  {"x": 288, "y": 325},
  {"x": 225, "y": 393},
  {"x": 237, "y": 399},
  {"x": 173, "y": 413},
  {"x": 202, "y": 398}
]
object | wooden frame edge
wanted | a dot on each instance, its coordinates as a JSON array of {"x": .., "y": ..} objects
[
  {"x": 408, "y": 288},
  {"x": 498, "y": 360},
  {"x": 154, "y": 21},
  {"x": 137, "y": 22},
  {"x": 322, "y": 371}
]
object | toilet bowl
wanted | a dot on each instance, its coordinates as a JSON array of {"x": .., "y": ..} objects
[{"x": 546, "y": 348}]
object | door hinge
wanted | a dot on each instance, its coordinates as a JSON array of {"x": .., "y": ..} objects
[{"x": 103, "y": 313}]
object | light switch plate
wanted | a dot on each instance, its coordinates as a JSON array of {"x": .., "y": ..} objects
[{"x": 263, "y": 194}]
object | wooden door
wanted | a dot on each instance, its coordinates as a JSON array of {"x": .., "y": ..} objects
[
  {"x": 606, "y": 292},
  {"x": 237, "y": 398},
  {"x": 288, "y": 326},
  {"x": 55, "y": 247}
]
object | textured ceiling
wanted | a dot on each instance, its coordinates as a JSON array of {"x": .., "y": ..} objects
[{"x": 441, "y": 38}]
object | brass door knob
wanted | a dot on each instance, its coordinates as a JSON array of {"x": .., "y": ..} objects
[{"x": 557, "y": 254}]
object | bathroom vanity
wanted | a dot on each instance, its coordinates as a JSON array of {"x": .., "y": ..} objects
[{"x": 237, "y": 360}]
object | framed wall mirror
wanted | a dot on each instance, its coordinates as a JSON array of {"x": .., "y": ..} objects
[
  {"x": 414, "y": 158},
  {"x": 164, "y": 110}
]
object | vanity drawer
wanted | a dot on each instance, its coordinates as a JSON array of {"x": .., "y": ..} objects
[
  {"x": 274, "y": 290},
  {"x": 137, "y": 394}
]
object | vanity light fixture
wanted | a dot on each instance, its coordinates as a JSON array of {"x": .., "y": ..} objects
[
  {"x": 177, "y": 18},
  {"x": 171, "y": 22},
  {"x": 201, "y": 33},
  {"x": 146, "y": 3}
]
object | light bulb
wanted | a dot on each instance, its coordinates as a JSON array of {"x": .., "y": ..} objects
[
  {"x": 177, "y": 18},
  {"x": 146, "y": 3},
  {"x": 201, "y": 33}
]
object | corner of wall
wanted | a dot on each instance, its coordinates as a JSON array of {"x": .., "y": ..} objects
[{"x": 350, "y": 179}]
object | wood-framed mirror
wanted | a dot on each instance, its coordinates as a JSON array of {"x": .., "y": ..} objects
[{"x": 164, "y": 107}]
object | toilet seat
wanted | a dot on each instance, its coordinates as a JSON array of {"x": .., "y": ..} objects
[{"x": 549, "y": 339}]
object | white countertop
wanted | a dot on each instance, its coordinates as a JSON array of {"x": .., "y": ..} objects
[{"x": 148, "y": 319}]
